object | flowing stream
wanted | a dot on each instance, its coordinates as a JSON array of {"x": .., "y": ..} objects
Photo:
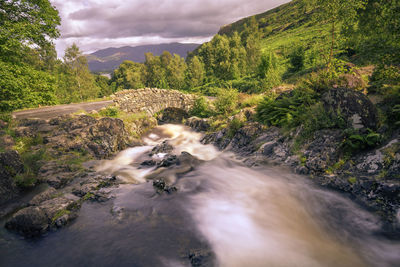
[{"x": 227, "y": 213}]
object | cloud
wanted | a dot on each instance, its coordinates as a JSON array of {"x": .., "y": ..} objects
[{"x": 96, "y": 24}]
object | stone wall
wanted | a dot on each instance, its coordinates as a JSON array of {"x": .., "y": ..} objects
[{"x": 152, "y": 100}]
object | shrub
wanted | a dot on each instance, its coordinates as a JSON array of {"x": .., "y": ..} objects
[
  {"x": 227, "y": 100},
  {"x": 201, "y": 108},
  {"x": 383, "y": 76},
  {"x": 234, "y": 126},
  {"x": 355, "y": 141},
  {"x": 286, "y": 110},
  {"x": 109, "y": 112},
  {"x": 297, "y": 59},
  {"x": 251, "y": 101}
]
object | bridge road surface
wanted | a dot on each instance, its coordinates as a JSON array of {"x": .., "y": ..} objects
[{"x": 55, "y": 111}]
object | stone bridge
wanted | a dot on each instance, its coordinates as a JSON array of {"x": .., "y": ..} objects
[{"x": 152, "y": 100}]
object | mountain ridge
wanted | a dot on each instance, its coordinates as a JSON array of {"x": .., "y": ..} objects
[{"x": 108, "y": 59}]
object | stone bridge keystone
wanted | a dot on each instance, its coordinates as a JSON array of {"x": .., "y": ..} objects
[{"x": 152, "y": 100}]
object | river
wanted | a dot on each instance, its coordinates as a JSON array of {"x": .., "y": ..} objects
[{"x": 223, "y": 212}]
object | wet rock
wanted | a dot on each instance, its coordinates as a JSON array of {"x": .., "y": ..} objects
[
  {"x": 220, "y": 139},
  {"x": 161, "y": 186},
  {"x": 46, "y": 195},
  {"x": 245, "y": 136},
  {"x": 10, "y": 166},
  {"x": 172, "y": 115},
  {"x": 353, "y": 106},
  {"x": 198, "y": 124},
  {"x": 323, "y": 150},
  {"x": 30, "y": 221},
  {"x": 201, "y": 257},
  {"x": 55, "y": 174},
  {"x": 148, "y": 163},
  {"x": 168, "y": 161},
  {"x": 164, "y": 147}
]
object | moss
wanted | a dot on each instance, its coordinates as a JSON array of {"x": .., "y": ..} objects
[
  {"x": 352, "y": 180},
  {"x": 382, "y": 174},
  {"x": 88, "y": 196},
  {"x": 59, "y": 214}
]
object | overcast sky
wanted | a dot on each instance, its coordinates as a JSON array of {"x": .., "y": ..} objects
[{"x": 97, "y": 24}]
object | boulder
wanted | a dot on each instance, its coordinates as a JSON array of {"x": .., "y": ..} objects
[
  {"x": 10, "y": 166},
  {"x": 198, "y": 124},
  {"x": 353, "y": 106},
  {"x": 30, "y": 221},
  {"x": 45, "y": 195}
]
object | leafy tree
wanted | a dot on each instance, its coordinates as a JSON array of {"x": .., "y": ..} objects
[
  {"x": 24, "y": 86},
  {"x": 336, "y": 11},
  {"x": 251, "y": 39},
  {"x": 103, "y": 83},
  {"x": 25, "y": 24},
  {"x": 80, "y": 84},
  {"x": 194, "y": 75},
  {"x": 176, "y": 72},
  {"x": 129, "y": 75},
  {"x": 155, "y": 73},
  {"x": 377, "y": 31}
]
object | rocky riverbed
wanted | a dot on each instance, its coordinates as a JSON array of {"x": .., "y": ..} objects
[{"x": 76, "y": 171}]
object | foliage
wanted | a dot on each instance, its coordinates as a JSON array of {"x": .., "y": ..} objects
[
  {"x": 227, "y": 100},
  {"x": 129, "y": 75},
  {"x": 268, "y": 70},
  {"x": 355, "y": 141},
  {"x": 287, "y": 109},
  {"x": 201, "y": 108},
  {"x": 234, "y": 126},
  {"x": 297, "y": 59},
  {"x": 109, "y": 112},
  {"x": 33, "y": 161},
  {"x": 383, "y": 77},
  {"x": 251, "y": 101},
  {"x": 194, "y": 75},
  {"x": 23, "y": 86},
  {"x": 25, "y": 24}
]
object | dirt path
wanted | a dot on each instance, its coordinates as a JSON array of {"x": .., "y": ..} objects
[{"x": 54, "y": 111}]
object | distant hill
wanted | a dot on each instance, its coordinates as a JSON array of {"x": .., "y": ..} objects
[
  {"x": 285, "y": 26},
  {"x": 106, "y": 60}
]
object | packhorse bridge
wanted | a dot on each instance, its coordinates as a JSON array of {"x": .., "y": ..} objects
[{"x": 152, "y": 100}]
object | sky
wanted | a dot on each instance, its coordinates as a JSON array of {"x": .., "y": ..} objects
[{"x": 98, "y": 24}]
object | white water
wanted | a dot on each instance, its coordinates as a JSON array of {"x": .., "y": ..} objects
[{"x": 263, "y": 217}]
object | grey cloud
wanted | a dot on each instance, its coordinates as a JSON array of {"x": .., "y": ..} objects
[{"x": 173, "y": 19}]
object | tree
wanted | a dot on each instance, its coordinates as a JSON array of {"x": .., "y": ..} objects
[
  {"x": 335, "y": 11},
  {"x": 155, "y": 73},
  {"x": 25, "y": 24},
  {"x": 194, "y": 75},
  {"x": 80, "y": 84},
  {"x": 176, "y": 72},
  {"x": 129, "y": 75},
  {"x": 251, "y": 39},
  {"x": 383, "y": 43}
]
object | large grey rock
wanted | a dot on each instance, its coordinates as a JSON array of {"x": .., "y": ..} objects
[
  {"x": 353, "y": 106},
  {"x": 30, "y": 221},
  {"x": 198, "y": 124}
]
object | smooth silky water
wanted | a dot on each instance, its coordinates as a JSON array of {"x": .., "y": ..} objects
[{"x": 263, "y": 216}]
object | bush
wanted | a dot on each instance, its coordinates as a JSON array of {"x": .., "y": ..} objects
[
  {"x": 248, "y": 85},
  {"x": 383, "y": 77},
  {"x": 251, "y": 101},
  {"x": 355, "y": 141},
  {"x": 109, "y": 112},
  {"x": 234, "y": 126},
  {"x": 297, "y": 59},
  {"x": 287, "y": 109},
  {"x": 201, "y": 108},
  {"x": 227, "y": 100}
]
